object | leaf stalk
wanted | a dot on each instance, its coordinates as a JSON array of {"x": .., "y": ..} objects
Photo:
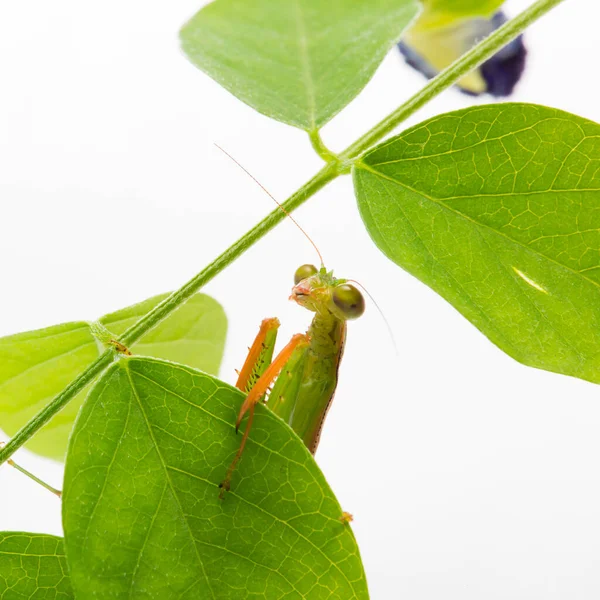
[{"x": 320, "y": 148}]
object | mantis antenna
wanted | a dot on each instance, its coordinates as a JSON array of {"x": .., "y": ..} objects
[
  {"x": 308, "y": 238},
  {"x": 274, "y": 200},
  {"x": 387, "y": 324}
]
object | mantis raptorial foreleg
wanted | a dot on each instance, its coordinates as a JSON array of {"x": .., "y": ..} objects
[{"x": 256, "y": 376}]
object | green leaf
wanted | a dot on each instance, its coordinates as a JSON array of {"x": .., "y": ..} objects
[
  {"x": 33, "y": 566},
  {"x": 194, "y": 334},
  {"x": 497, "y": 208},
  {"x": 37, "y": 365},
  {"x": 34, "y": 367},
  {"x": 297, "y": 61},
  {"x": 141, "y": 509}
]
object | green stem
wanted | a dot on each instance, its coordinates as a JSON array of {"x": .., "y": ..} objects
[
  {"x": 333, "y": 169},
  {"x": 474, "y": 57},
  {"x": 34, "y": 478}
]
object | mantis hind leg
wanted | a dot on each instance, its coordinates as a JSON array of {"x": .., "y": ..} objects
[
  {"x": 259, "y": 387},
  {"x": 225, "y": 485}
]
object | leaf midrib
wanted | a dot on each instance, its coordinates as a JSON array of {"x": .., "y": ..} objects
[
  {"x": 442, "y": 204},
  {"x": 485, "y": 140},
  {"x": 464, "y": 292},
  {"x": 167, "y": 476},
  {"x": 45, "y": 363},
  {"x": 213, "y": 416},
  {"x": 305, "y": 63},
  {"x": 278, "y": 520},
  {"x": 37, "y": 335}
]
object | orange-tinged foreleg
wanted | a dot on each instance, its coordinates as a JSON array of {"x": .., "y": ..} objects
[
  {"x": 267, "y": 378},
  {"x": 256, "y": 393},
  {"x": 245, "y": 377}
]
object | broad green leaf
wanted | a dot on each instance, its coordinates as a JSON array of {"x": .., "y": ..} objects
[
  {"x": 497, "y": 208},
  {"x": 33, "y": 567},
  {"x": 297, "y": 61},
  {"x": 37, "y": 365},
  {"x": 141, "y": 508}
]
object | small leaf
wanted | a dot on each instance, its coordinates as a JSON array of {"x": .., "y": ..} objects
[
  {"x": 141, "y": 509},
  {"x": 297, "y": 61},
  {"x": 33, "y": 565},
  {"x": 35, "y": 366},
  {"x": 497, "y": 208}
]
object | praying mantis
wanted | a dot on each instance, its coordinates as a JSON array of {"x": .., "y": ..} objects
[{"x": 304, "y": 374}]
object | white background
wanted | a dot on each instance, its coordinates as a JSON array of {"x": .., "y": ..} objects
[{"x": 469, "y": 475}]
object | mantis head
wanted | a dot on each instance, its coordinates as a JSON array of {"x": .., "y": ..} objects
[{"x": 319, "y": 291}]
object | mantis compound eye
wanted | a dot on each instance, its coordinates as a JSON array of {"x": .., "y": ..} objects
[
  {"x": 349, "y": 300},
  {"x": 303, "y": 272}
]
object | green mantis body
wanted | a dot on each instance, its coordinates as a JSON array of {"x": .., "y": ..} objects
[{"x": 306, "y": 370}]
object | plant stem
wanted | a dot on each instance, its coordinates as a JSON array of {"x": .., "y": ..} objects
[
  {"x": 449, "y": 76},
  {"x": 34, "y": 478},
  {"x": 474, "y": 57}
]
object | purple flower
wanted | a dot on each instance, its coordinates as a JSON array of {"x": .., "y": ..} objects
[{"x": 431, "y": 50}]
